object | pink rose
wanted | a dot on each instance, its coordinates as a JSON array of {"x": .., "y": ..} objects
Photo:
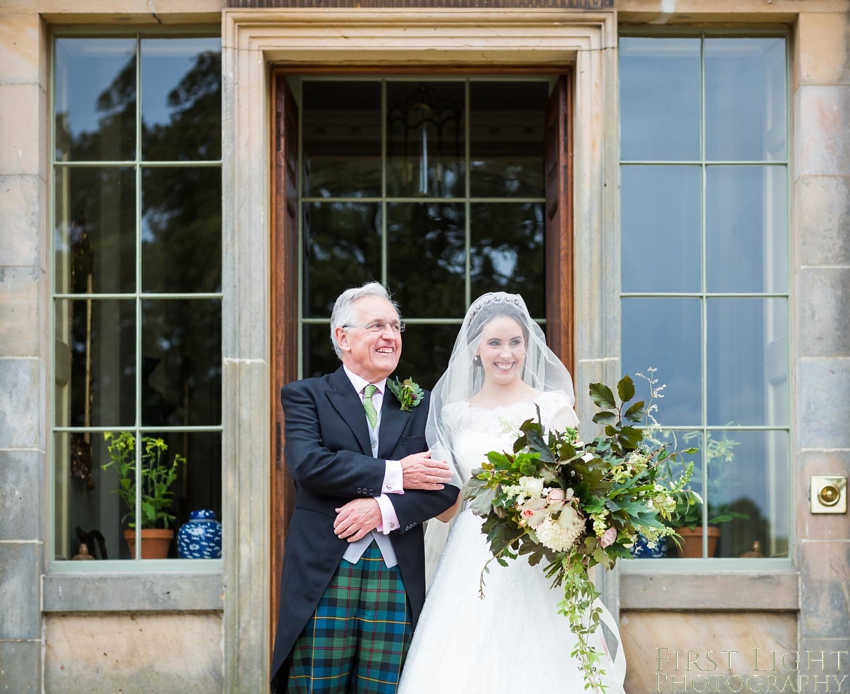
[
  {"x": 608, "y": 538},
  {"x": 527, "y": 513},
  {"x": 557, "y": 494}
]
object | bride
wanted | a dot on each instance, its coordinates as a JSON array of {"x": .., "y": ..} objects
[{"x": 513, "y": 640}]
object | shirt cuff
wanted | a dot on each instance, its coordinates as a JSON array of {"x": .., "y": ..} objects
[
  {"x": 389, "y": 519},
  {"x": 393, "y": 478}
]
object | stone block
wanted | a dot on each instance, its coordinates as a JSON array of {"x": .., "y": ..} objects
[
  {"x": 19, "y": 326},
  {"x": 21, "y": 407},
  {"x": 20, "y": 49},
  {"x": 20, "y": 567},
  {"x": 823, "y": 208},
  {"x": 821, "y": 526},
  {"x": 21, "y": 143},
  {"x": 835, "y": 654},
  {"x": 20, "y": 208},
  {"x": 822, "y": 130},
  {"x": 20, "y": 667},
  {"x": 21, "y": 494},
  {"x": 824, "y": 598},
  {"x": 824, "y": 409},
  {"x": 823, "y": 52},
  {"x": 659, "y": 644},
  {"x": 128, "y": 592},
  {"x": 824, "y": 326},
  {"x": 133, "y": 653}
]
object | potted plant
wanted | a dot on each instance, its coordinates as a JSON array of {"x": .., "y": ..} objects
[
  {"x": 157, "y": 476},
  {"x": 687, "y": 519}
]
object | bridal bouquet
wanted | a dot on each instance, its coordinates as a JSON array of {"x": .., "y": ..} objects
[{"x": 571, "y": 505}]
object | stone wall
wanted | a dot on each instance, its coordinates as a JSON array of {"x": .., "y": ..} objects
[
  {"x": 24, "y": 352},
  {"x": 821, "y": 262}
]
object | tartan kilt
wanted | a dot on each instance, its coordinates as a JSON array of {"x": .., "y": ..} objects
[{"x": 358, "y": 637}]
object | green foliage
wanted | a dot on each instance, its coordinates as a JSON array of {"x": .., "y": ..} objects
[
  {"x": 157, "y": 476},
  {"x": 576, "y": 504}
]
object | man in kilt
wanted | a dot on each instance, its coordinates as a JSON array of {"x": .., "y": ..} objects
[{"x": 353, "y": 580}]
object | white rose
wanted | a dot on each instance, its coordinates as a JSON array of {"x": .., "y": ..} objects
[{"x": 533, "y": 486}]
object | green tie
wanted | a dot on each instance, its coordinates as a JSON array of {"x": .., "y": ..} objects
[{"x": 371, "y": 412}]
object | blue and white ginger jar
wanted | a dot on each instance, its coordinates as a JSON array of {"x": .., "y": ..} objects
[
  {"x": 200, "y": 538},
  {"x": 642, "y": 550}
]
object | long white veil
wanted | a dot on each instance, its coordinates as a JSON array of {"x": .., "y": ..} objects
[{"x": 463, "y": 378}]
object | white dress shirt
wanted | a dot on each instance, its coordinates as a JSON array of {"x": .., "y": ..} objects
[{"x": 393, "y": 482}]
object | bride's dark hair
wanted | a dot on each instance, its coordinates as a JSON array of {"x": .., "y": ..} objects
[{"x": 488, "y": 314}]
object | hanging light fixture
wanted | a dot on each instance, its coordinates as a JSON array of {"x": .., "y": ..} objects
[{"x": 424, "y": 111}]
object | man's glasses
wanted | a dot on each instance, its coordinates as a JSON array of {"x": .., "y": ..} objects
[{"x": 379, "y": 326}]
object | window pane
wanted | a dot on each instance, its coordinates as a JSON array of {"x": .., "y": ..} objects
[
  {"x": 507, "y": 138},
  {"x": 425, "y": 144},
  {"x": 506, "y": 251},
  {"x": 425, "y": 352},
  {"x": 95, "y": 107},
  {"x": 95, "y": 363},
  {"x": 319, "y": 355},
  {"x": 745, "y": 99},
  {"x": 426, "y": 257},
  {"x": 181, "y": 99},
  {"x": 88, "y": 507},
  {"x": 95, "y": 236},
  {"x": 342, "y": 139},
  {"x": 181, "y": 362},
  {"x": 181, "y": 230},
  {"x": 746, "y": 229},
  {"x": 661, "y": 219},
  {"x": 748, "y": 491},
  {"x": 342, "y": 249},
  {"x": 665, "y": 334},
  {"x": 748, "y": 362},
  {"x": 197, "y": 485},
  {"x": 659, "y": 99}
]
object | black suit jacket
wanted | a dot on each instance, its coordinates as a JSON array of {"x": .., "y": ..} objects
[{"x": 329, "y": 458}]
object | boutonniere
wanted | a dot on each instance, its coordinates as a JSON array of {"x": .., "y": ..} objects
[{"x": 407, "y": 392}]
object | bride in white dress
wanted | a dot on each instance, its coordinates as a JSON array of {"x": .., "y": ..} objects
[{"x": 513, "y": 640}]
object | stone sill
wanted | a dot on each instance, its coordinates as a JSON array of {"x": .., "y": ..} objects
[
  {"x": 750, "y": 590},
  {"x": 149, "y": 592}
]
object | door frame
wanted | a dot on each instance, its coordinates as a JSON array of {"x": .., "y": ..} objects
[
  {"x": 256, "y": 42},
  {"x": 284, "y": 289}
]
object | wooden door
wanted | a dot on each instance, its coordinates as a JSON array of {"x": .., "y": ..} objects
[
  {"x": 559, "y": 222},
  {"x": 284, "y": 313}
]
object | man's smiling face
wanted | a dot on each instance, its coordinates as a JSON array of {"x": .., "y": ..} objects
[{"x": 371, "y": 355}]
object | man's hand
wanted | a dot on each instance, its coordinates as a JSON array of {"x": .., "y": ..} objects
[
  {"x": 420, "y": 472},
  {"x": 356, "y": 519}
]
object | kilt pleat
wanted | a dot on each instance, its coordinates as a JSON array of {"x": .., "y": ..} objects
[{"x": 357, "y": 639}]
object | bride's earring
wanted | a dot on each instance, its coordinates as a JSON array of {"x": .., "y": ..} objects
[{"x": 476, "y": 360}]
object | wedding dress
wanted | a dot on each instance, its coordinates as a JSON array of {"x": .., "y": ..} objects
[{"x": 513, "y": 640}]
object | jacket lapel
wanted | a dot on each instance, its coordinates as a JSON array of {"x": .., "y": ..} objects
[
  {"x": 346, "y": 401},
  {"x": 393, "y": 421}
]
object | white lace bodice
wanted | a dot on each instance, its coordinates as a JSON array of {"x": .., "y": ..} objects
[{"x": 475, "y": 431}]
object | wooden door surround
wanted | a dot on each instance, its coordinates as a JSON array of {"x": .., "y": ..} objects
[{"x": 284, "y": 272}]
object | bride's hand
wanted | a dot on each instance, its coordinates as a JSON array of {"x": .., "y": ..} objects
[{"x": 421, "y": 472}]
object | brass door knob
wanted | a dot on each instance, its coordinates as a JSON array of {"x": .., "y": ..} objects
[{"x": 829, "y": 494}]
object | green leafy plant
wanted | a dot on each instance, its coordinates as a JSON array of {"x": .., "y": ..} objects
[
  {"x": 157, "y": 476},
  {"x": 576, "y": 505},
  {"x": 689, "y": 505}
]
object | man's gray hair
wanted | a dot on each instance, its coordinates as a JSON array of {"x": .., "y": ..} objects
[{"x": 343, "y": 313}]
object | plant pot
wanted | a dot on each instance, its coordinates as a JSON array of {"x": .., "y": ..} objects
[
  {"x": 692, "y": 542},
  {"x": 155, "y": 542}
]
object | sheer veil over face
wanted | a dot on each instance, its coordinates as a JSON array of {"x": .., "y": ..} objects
[{"x": 464, "y": 377}]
